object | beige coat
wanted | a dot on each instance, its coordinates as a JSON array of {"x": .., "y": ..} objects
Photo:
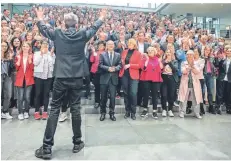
[{"x": 184, "y": 83}]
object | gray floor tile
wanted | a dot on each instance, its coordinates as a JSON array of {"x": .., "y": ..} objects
[
  {"x": 101, "y": 136},
  {"x": 165, "y": 133},
  {"x": 120, "y": 152}
]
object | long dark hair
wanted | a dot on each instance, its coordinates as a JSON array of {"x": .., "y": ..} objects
[
  {"x": 6, "y": 54},
  {"x": 12, "y": 44}
]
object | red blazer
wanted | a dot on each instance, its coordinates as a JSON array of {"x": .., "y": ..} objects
[
  {"x": 29, "y": 75},
  {"x": 95, "y": 61},
  {"x": 134, "y": 62},
  {"x": 152, "y": 72}
]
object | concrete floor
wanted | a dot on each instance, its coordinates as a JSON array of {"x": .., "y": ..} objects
[{"x": 163, "y": 139}]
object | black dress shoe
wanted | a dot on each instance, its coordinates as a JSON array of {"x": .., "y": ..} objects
[
  {"x": 96, "y": 105},
  {"x": 127, "y": 114},
  {"x": 102, "y": 117},
  {"x": 112, "y": 117},
  {"x": 212, "y": 110},
  {"x": 133, "y": 116},
  {"x": 218, "y": 111},
  {"x": 78, "y": 147},
  {"x": 43, "y": 153}
]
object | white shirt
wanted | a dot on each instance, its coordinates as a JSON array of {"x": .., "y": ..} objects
[
  {"x": 111, "y": 54},
  {"x": 227, "y": 68},
  {"x": 25, "y": 63},
  {"x": 141, "y": 47}
]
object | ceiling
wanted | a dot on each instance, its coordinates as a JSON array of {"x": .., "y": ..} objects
[{"x": 215, "y": 10}]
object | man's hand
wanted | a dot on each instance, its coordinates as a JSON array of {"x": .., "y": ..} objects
[
  {"x": 39, "y": 13},
  {"x": 103, "y": 14},
  {"x": 111, "y": 69}
]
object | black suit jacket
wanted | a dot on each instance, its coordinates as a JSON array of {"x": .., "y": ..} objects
[
  {"x": 119, "y": 50},
  {"x": 70, "y": 57},
  {"x": 146, "y": 45},
  {"x": 222, "y": 70},
  {"x": 104, "y": 65}
]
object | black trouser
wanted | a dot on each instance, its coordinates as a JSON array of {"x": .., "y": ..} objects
[
  {"x": 154, "y": 87},
  {"x": 118, "y": 88},
  {"x": 227, "y": 91},
  {"x": 177, "y": 85},
  {"x": 65, "y": 103},
  {"x": 74, "y": 87},
  {"x": 130, "y": 87},
  {"x": 219, "y": 93},
  {"x": 87, "y": 85},
  {"x": 6, "y": 82},
  {"x": 96, "y": 82},
  {"x": 104, "y": 97},
  {"x": 140, "y": 94},
  {"x": 42, "y": 89},
  {"x": 24, "y": 93},
  {"x": 167, "y": 91}
]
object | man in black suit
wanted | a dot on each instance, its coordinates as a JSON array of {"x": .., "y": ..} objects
[
  {"x": 142, "y": 47},
  {"x": 110, "y": 65},
  {"x": 70, "y": 68}
]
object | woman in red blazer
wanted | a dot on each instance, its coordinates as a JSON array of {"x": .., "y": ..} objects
[
  {"x": 94, "y": 59},
  {"x": 24, "y": 79},
  {"x": 131, "y": 59},
  {"x": 151, "y": 76}
]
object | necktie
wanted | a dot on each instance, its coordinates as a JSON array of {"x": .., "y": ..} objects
[{"x": 110, "y": 57}]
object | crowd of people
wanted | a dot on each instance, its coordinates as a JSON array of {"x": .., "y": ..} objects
[{"x": 136, "y": 55}]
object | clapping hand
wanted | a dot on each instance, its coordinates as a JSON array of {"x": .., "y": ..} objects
[{"x": 127, "y": 66}]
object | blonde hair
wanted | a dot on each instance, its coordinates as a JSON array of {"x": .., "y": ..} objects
[
  {"x": 148, "y": 49},
  {"x": 133, "y": 42}
]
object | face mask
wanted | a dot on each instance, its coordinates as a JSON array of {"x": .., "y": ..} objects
[{"x": 220, "y": 43}]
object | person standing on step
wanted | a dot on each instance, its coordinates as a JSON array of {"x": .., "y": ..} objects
[
  {"x": 24, "y": 79},
  {"x": 170, "y": 78},
  {"x": 109, "y": 65},
  {"x": 129, "y": 73},
  {"x": 7, "y": 67},
  {"x": 151, "y": 76},
  {"x": 94, "y": 59},
  {"x": 43, "y": 73},
  {"x": 70, "y": 68},
  {"x": 190, "y": 87}
]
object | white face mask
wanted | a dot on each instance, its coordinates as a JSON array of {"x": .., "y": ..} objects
[{"x": 220, "y": 43}]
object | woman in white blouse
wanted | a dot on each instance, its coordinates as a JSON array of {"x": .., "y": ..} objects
[{"x": 43, "y": 73}]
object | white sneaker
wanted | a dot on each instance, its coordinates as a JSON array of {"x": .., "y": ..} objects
[
  {"x": 63, "y": 117},
  {"x": 8, "y": 116},
  {"x": 170, "y": 114},
  {"x": 181, "y": 114},
  {"x": 3, "y": 116},
  {"x": 26, "y": 115},
  {"x": 164, "y": 113},
  {"x": 176, "y": 104},
  {"x": 198, "y": 116},
  {"x": 20, "y": 117}
]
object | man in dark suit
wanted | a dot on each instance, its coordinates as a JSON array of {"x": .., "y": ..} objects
[
  {"x": 142, "y": 47},
  {"x": 110, "y": 65},
  {"x": 70, "y": 68}
]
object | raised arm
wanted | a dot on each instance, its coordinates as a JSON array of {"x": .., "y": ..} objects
[
  {"x": 46, "y": 31},
  {"x": 92, "y": 31}
]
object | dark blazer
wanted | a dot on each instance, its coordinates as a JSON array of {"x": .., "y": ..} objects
[
  {"x": 104, "y": 65},
  {"x": 119, "y": 50},
  {"x": 70, "y": 57},
  {"x": 222, "y": 70},
  {"x": 146, "y": 45}
]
